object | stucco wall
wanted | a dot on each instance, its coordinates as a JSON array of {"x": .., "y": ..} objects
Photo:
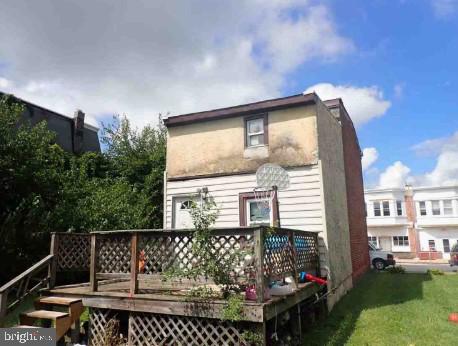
[
  {"x": 336, "y": 235},
  {"x": 218, "y": 146}
]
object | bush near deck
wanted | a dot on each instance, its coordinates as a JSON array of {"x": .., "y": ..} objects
[{"x": 392, "y": 309}]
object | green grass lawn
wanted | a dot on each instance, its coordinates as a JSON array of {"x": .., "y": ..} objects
[{"x": 393, "y": 309}]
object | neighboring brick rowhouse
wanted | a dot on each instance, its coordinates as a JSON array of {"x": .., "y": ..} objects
[{"x": 355, "y": 190}]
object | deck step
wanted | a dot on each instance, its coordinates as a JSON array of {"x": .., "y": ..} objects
[
  {"x": 45, "y": 314},
  {"x": 61, "y": 301},
  {"x": 62, "y": 321}
]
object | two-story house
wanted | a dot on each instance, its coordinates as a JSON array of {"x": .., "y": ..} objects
[
  {"x": 414, "y": 221},
  {"x": 217, "y": 152},
  {"x": 73, "y": 135}
]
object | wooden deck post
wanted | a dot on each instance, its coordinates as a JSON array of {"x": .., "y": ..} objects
[
  {"x": 93, "y": 264},
  {"x": 134, "y": 264},
  {"x": 293, "y": 257},
  {"x": 3, "y": 306},
  {"x": 53, "y": 264},
  {"x": 259, "y": 260}
]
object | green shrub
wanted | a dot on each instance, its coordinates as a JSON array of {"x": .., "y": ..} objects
[
  {"x": 396, "y": 270},
  {"x": 435, "y": 272}
]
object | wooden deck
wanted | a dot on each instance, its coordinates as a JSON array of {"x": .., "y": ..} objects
[
  {"x": 128, "y": 273},
  {"x": 156, "y": 297}
]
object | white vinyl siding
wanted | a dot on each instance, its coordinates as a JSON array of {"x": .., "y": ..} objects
[{"x": 300, "y": 204}]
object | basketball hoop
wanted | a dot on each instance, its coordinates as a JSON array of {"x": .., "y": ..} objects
[{"x": 270, "y": 178}]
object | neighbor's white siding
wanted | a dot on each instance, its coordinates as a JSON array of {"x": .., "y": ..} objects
[{"x": 300, "y": 205}]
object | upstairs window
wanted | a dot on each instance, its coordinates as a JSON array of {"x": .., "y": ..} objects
[
  {"x": 436, "y": 207},
  {"x": 386, "y": 208},
  {"x": 256, "y": 131},
  {"x": 377, "y": 211},
  {"x": 448, "y": 208},
  {"x": 422, "y": 206},
  {"x": 399, "y": 208}
]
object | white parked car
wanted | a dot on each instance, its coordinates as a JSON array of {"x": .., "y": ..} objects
[{"x": 380, "y": 259}]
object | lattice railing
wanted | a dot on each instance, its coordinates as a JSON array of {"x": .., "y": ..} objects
[
  {"x": 128, "y": 255},
  {"x": 114, "y": 253},
  {"x": 73, "y": 251},
  {"x": 161, "y": 251},
  {"x": 288, "y": 252},
  {"x": 155, "y": 329}
]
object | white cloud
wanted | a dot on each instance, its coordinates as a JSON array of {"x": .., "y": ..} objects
[
  {"x": 444, "y": 8},
  {"x": 445, "y": 171},
  {"x": 370, "y": 155},
  {"x": 159, "y": 56},
  {"x": 4, "y": 83},
  {"x": 395, "y": 175},
  {"x": 362, "y": 103},
  {"x": 433, "y": 147}
]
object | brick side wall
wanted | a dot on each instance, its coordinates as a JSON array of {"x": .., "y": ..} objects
[
  {"x": 355, "y": 197},
  {"x": 411, "y": 218}
]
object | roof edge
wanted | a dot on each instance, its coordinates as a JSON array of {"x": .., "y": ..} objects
[{"x": 244, "y": 109}]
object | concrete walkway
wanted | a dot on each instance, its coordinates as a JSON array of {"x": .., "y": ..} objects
[{"x": 418, "y": 261}]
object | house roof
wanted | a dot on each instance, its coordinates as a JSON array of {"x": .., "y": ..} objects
[
  {"x": 245, "y": 109},
  {"x": 48, "y": 111}
]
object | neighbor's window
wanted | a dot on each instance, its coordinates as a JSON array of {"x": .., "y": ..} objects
[
  {"x": 377, "y": 211},
  {"x": 386, "y": 208},
  {"x": 432, "y": 245},
  {"x": 446, "y": 244},
  {"x": 448, "y": 208},
  {"x": 436, "y": 207},
  {"x": 422, "y": 205},
  {"x": 399, "y": 208},
  {"x": 372, "y": 240},
  {"x": 401, "y": 240},
  {"x": 255, "y": 131}
]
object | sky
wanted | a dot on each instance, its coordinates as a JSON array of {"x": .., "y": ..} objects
[{"x": 393, "y": 62}]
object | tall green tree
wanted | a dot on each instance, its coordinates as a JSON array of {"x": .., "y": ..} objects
[
  {"x": 31, "y": 166},
  {"x": 45, "y": 189}
]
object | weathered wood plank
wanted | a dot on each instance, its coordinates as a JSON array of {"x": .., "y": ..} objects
[
  {"x": 93, "y": 264},
  {"x": 281, "y": 304},
  {"x": 259, "y": 263},
  {"x": 53, "y": 264},
  {"x": 213, "y": 309},
  {"x": 134, "y": 264}
]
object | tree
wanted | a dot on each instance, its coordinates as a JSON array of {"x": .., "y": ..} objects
[
  {"x": 45, "y": 189},
  {"x": 31, "y": 165}
]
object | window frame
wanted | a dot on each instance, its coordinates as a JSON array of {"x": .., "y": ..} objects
[
  {"x": 401, "y": 240},
  {"x": 264, "y": 117},
  {"x": 372, "y": 239},
  {"x": 421, "y": 210},
  {"x": 432, "y": 242},
  {"x": 386, "y": 203},
  {"x": 436, "y": 211},
  {"x": 244, "y": 197},
  {"x": 399, "y": 208},
  {"x": 379, "y": 208},
  {"x": 450, "y": 208}
]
